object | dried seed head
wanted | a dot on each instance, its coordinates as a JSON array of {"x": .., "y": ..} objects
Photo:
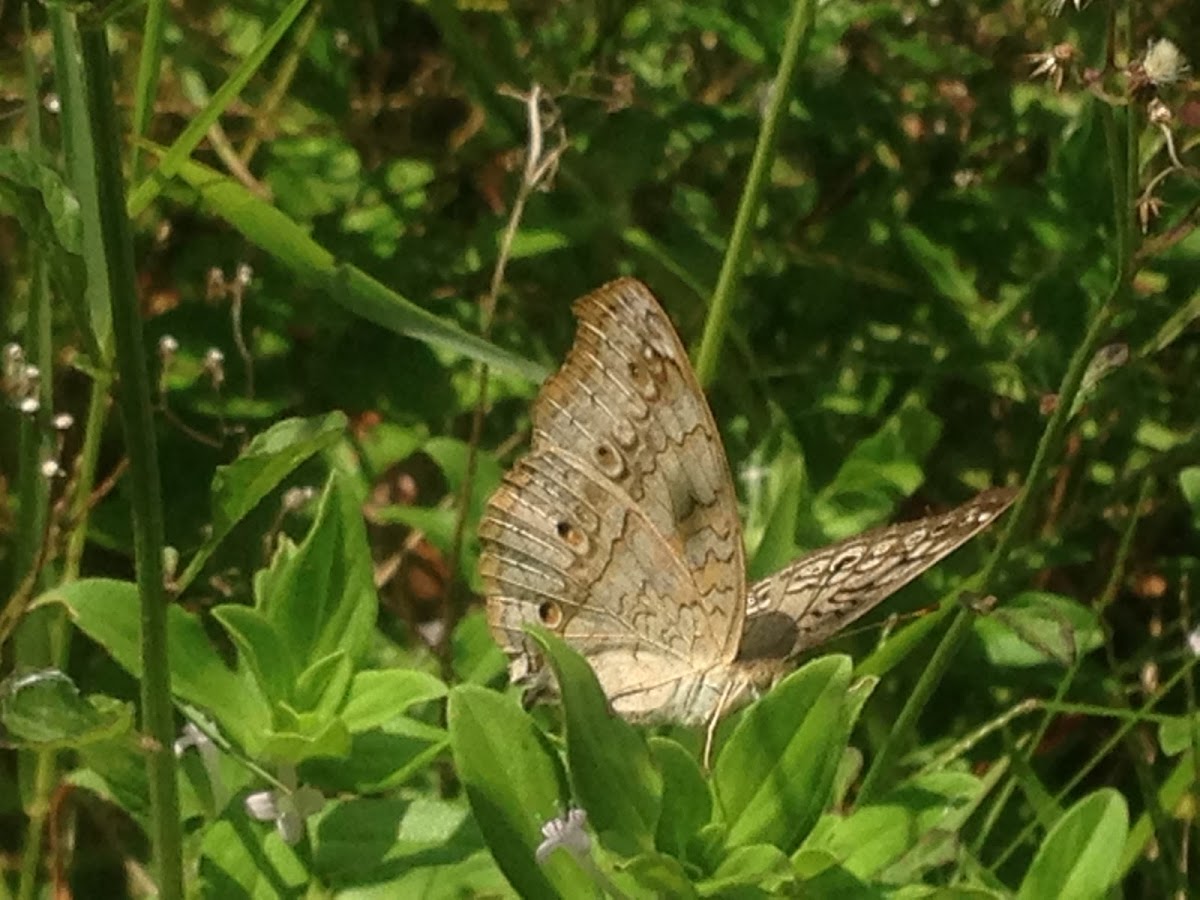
[{"x": 1164, "y": 63}]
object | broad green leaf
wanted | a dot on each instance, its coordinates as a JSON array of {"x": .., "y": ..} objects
[
  {"x": 1081, "y": 856},
  {"x": 914, "y": 826},
  {"x": 247, "y": 860},
  {"x": 321, "y": 598},
  {"x": 611, "y": 769},
  {"x": 108, "y": 612},
  {"x": 296, "y": 736},
  {"x": 877, "y": 473},
  {"x": 321, "y": 688},
  {"x": 359, "y": 293},
  {"x": 661, "y": 875},
  {"x": 267, "y": 460},
  {"x": 477, "y": 657},
  {"x": 431, "y": 843},
  {"x": 380, "y": 695},
  {"x": 515, "y": 786},
  {"x": 383, "y": 758},
  {"x": 1038, "y": 628},
  {"x": 261, "y": 648},
  {"x": 686, "y": 800},
  {"x": 774, "y": 776},
  {"x": 755, "y": 870},
  {"x": 44, "y": 710}
]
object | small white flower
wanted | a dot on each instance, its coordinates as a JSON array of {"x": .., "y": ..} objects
[
  {"x": 244, "y": 274},
  {"x": 288, "y": 808},
  {"x": 63, "y": 422},
  {"x": 568, "y": 833},
  {"x": 1193, "y": 641},
  {"x": 29, "y": 405},
  {"x": 52, "y": 104},
  {"x": 167, "y": 346},
  {"x": 1164, "y": 63},
  {"x": 1057, "y": 6},
  {"x": 51, "y": 468}
]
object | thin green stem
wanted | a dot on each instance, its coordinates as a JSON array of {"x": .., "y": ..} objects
[
  {"x": 276, "y": 93},
  {"x": 149, "y": 70},
  {"x": 138, "y": 422},
  {"x": 717, "y": 323},
  {"x": 89, "y": 454},
  {"x": 1047, "y": 450},
  {"x": 33, "y": 488},
  {"x": 181, "y": 150}
]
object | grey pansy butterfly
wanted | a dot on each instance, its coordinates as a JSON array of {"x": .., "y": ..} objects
[{"x": 619, "y": 531}]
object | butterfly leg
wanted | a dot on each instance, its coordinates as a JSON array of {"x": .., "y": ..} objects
[{"x": 710, "y": 733}]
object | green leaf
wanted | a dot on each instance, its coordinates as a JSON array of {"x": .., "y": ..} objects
[
  {"x": 379, "y": 696},
  {"x": 756, "y": 870},
  {"x": 381, "y": 759},
  {"x": 321, "y": 598},
  {"x": 1080, "y": 857},
  {"x": 1038, "y": 628},
  {"x": 937, "y": 261},
  {"x": 49, "y": 212},
  {"x": 108, "y": 612},
  {"x": 913, "y": 829},
  {"x": 262, "y": 649},
  {"x": 611, "y": 769},
  {"x": 297, "y": 736},
  {"x": 686, "y": 800},
  {"x": 660, "y": 874},
  {"x": 242, "y": 860},
  {"x": 321, "y": 688},
  {"x": 44, "y": 710},
  {"x": 785, "y": 485},
  {"x": 1189, "y": 483},
  {"x": 878, "y": 472},
  {"x": 514, "y": 785},
  {"x": 775, "y": 774},
  {"x": 359, "y": 293},
  {"x": 260, "y": 468}
]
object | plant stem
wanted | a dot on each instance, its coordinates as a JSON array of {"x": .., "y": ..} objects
[
  {"x": 149, "y": 70},
  {"x": 138, "y": 423},
  {"x": 803, "y": 14}
]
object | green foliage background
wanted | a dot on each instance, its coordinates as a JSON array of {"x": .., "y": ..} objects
[{"x": 941, "y": 232}]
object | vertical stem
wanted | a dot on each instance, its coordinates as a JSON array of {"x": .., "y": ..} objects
[
  {"x": 33, "y": 489},
  {"x": 149, "y": 69},
  {"x": 803, "y": 14},
  {"x": 138, "y": 422}
]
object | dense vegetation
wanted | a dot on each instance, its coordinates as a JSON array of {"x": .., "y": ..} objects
[{"x": 281, "y": 282}]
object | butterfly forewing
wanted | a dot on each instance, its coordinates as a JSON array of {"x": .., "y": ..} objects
[{"x": 816, "y": 596}]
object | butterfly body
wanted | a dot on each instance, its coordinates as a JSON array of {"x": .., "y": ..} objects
[{"x": 620, "y": 532}]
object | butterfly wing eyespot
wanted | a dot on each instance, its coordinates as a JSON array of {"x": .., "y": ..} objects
[{"x": 550, "y": 614}]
